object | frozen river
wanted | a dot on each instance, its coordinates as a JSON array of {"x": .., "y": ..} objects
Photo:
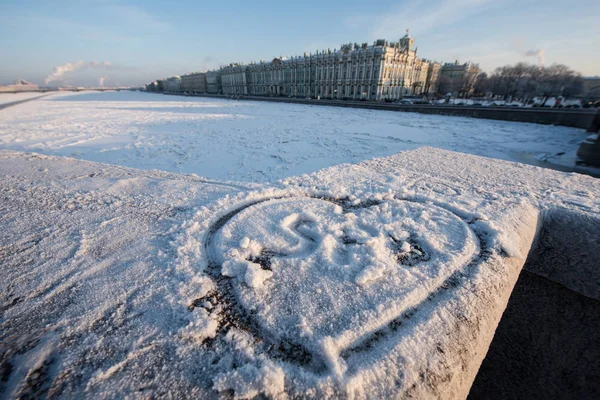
[{"x": 256, "y": 141}]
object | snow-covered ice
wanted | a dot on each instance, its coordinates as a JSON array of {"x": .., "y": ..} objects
[
  {"x": 6, "y": 98},
  {"x": 385, "y": 278},
  {"x": 257, "y": 141},
  {"x": 243, "y": 278}
]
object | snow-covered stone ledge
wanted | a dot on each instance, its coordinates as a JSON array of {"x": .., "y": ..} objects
[{"x": 381, "y": 279}]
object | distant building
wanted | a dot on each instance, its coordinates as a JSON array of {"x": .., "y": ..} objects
[
  {"x": 161, "y": 85},
  {"x": 591, "y": 87},
  {"x": 458, "y": 79},
  {"x": 152, "y": 86},
  {"x": 433, "y": 74},
  {"x": 420, "y": 82},
  {"x": 173, "y": 84},
  {"x": 213, "y": 82},
  {"x": 20, "y": 85},
  {"x": 384, "y": 70},
  {"x": 193, "y": 82},
  {"x": 381, "y": 71},
  {"x": 234, "y": 79}
]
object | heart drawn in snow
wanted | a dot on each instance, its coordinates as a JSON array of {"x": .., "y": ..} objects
[{"x": 327, "y": 275}]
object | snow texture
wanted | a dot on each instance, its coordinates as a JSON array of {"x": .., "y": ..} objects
[
  {"x": 6, "y": 98},
  {"x": 257, "y": 141},
  {"x": 381, "y": 279}
]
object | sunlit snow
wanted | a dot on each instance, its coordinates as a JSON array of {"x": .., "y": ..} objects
[
  {"x": 256, "y": 141},
  {"x": 383, "y": 278}
]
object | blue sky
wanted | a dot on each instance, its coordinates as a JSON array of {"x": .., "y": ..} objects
[{"x": 144, "y": 40}]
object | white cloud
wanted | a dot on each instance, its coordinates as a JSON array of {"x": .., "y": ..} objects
[
  {"x": 423, "y": 16},
  {"x": 138, "y": 17}
]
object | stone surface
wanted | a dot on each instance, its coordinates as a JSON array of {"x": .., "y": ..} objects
[
  {"x": 589, "y": 150},
  {"x": 547, "y": 345}
]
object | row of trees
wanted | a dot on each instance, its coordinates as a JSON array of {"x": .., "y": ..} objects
[
  {"x": 464, "y": 86},
  {"x": 525, "y": 81}
]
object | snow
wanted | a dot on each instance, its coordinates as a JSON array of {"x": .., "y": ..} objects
[
  {"x": 249, "y": 381},
  {"x": 255, "y": 276},
  {"x": 203, "y": 326},
  {"x": 6, "y": 98},
  {"x": 316, "y": 250},
  {"x": 256, "y": 141},
  {"x": 385, "y": 278}
]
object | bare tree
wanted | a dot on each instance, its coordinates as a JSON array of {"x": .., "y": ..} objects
[
  {"x": 482, "y": 84},
  {"x": 573, "y": 86},
  {"x": 510, "y": 79},
  {"x": 530, "y": 85},
  {"x": 443, "y": 85},
  {"x": 467, "y": 84},
  {"x": 525, "y": 81},
  {"x": 559, "y": 80}
]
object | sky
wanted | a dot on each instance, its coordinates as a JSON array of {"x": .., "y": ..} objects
[{"x": 114, "y": 42}]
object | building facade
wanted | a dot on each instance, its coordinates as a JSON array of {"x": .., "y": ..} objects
[
  {"x": 433, "y": 75},
  {"x": 213, "y": 82},
  {"x": 194, "y": 82},
  {"x": 381, "y": 71},
  {"x": 20, "y": 85},
  {"x": 161, "y": 85},
  {"x": 384, "y": 70},
  {"x": 458, "y": 79},
  {"x": 152, "y": 87},
  {"x": 234, "y": 79},
  {"x": 173, "y": 84}
]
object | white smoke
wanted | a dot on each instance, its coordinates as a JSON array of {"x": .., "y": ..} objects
[
  {"x": 101, "y": 81},
  {"x": 540, "y": 54},
  {"x": 67, "y": 67}
]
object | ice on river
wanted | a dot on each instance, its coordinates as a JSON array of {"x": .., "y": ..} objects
[{"x": 255, "y": 141}]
